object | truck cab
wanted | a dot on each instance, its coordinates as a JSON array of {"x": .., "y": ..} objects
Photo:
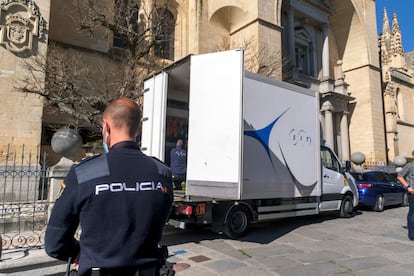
[{"x": 339, "y": 191}]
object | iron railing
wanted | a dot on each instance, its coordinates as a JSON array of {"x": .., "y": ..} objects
[{"x": 23, "y": 198}]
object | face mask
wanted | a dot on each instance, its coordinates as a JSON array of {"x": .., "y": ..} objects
[
  {"x": 104, "y": 144},
  {"x": 105, "y": 147}
]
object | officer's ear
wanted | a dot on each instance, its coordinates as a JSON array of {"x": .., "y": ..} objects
[{"x": 105, "y": 128}]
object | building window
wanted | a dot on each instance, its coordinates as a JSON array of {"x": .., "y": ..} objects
[
  {"x": 304, "y": 52},
  {"x": 164, "y": 39},
  {"x": 126, "y": 16}
]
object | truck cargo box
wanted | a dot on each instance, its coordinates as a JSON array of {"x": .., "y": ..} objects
[{"x": 249, "y": 137}]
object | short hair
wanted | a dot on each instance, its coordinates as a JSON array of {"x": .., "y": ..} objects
[
  {"x": 124, "y": 112},
  {"x": 180, "y": 142}
]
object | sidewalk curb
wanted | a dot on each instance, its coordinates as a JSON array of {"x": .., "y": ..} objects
[{"x": 26, "y": 259}]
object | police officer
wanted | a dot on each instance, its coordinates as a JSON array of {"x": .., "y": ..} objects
[{"x": 121, "y": 199}]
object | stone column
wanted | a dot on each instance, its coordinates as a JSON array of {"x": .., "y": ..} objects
[
  {"x": 329, "y": 135},
  {"x": 57, "y": 174},
  {"x": 396, "y": 146},
  {"x": 325, "y": 52},
  {"x": 329, "y": 131},
  {"x": 345, "y": 136}
]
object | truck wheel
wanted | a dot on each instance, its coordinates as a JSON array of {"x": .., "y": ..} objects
[
  {"x": 379, "y": 203},
  {"x": 237, "y": 222},
  {"x": 347, "y": 207}
]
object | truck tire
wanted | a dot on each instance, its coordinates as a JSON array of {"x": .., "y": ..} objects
[
  {"x": 347, "y": 207},
  {"x": 237, "y": 222},
  {"x": 379, "y": 203}
]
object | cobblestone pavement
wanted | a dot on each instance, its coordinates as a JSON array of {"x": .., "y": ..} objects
[{"x": 369, "y": 243}]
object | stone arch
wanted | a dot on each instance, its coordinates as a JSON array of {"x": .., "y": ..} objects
[
  {"x": 350, "y": 33},
  {"x": 228, "y": 18},
  {"x": 347, "y": 30}
]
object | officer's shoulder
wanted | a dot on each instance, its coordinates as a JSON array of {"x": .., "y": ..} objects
[
  {"x": 87, "y": 159},
  {"x": 91, "y": 168},
  {"x": 161, "y": 166}
]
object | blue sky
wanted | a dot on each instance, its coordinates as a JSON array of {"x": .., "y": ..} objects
[{"x": 405, "y": 16}]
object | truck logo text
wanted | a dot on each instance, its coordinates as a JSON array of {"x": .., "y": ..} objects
[{"x": 299, "y": 137}]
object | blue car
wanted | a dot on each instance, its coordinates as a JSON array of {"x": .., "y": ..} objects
[{"x": 378, "y": 189}]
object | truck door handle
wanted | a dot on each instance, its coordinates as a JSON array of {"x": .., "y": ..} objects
[{"x": 326, "y": 176}]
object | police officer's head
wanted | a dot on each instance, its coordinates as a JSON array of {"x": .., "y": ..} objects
[{"x": 120, "y": 121}]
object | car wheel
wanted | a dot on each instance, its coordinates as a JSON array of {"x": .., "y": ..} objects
[
  {"x": 347, "y": 207},
  {"x": 237, "y": 222},
  {"x": 404, "y": 200},
  {"x": 379, "y": 203}
]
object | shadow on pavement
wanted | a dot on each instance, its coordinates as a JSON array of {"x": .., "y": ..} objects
[{"x": 260, "y": 232}]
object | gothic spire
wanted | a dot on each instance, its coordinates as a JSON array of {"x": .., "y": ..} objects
[
  {"x": 395, "y": 25},
  {"x": 385, "y": 24},
  {"x": 396, "y": 42},
  {"x": 385, "y": 39}
]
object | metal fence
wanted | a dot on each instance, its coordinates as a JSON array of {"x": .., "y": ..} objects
[
  {"x": 380, "y": 166},
  {"x": 23, "y": 198}
]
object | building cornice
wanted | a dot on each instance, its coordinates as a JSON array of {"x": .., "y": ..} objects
[
  {"x": 372, "y": 67},
  {"x": 260, "y": 21},
  {"x": 401, "y": 76}
]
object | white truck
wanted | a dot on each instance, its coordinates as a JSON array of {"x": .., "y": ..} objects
[{"x": 254, "y": 145}]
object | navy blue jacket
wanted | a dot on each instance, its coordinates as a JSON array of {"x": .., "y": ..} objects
[
  {"x": 122, "y": 200},
  {"x": 178, "y": 161}
]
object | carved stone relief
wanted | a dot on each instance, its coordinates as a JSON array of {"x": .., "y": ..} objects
[{"x": 20, "y": 24}]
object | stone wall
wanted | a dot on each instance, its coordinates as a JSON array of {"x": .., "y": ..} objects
[
  {"x": 21, "y": 113},
  {"x": 366, "y": 130}
]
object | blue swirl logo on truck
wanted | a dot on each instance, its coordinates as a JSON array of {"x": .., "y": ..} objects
[
  {"x": 298, "y": 138},
  {"x": 263, "y": 135}
]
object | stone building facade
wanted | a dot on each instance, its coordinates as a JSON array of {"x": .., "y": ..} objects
[
  {"x": 23, "y": 36},
  {"x": 397, "y": 77},
  {"x": 330, "y": 46}
]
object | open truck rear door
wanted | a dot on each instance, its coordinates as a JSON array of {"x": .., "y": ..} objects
[
  {"x": 154, "y": 116},
  {"x": 215, "y": 125}
]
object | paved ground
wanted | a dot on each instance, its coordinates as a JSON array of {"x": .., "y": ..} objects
[{"x": 370, "y": 243}]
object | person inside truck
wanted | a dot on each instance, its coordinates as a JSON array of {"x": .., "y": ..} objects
[{"x": 178, "y": 164}]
